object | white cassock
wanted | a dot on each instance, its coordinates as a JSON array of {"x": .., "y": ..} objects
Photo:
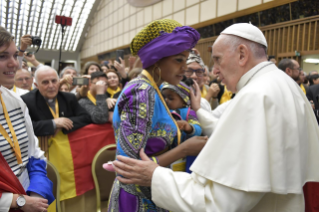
[{"x": 262, "y": 151}]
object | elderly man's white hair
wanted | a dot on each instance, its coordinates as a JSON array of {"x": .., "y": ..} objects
[
  {"x": 43, "y": 69},
  {"x": 258, "y": 50}
]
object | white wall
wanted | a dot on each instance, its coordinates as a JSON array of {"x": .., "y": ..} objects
[{"x": 116, "y": 22}]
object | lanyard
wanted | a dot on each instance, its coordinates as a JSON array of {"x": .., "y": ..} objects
[
  {"x": 14, "y": 144},
  {"x": 112, "y": 92},
  {"x": 203, "y": 92},
  {"x": 150, "y": 78},
  {"x": 56, "y": 114},
  {"x": 226, "y": 96},
  {"x": 14, "y": 89},
  {"x": 91, "y": 98}
]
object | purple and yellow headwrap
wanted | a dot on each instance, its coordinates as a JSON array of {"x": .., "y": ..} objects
[
  {"x": 181, "y": 89},
  {"x": 162, "y": 38}
]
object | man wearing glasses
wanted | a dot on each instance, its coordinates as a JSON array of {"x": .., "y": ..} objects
[
  {"x": 195, "y": 70},
  {"x": 23, "y": 79},
  {"x": 290, "y": 67}
]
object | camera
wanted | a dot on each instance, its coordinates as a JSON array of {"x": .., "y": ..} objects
[
  {"x": 36, "y": 40},
  {"x": 80, "y": 81}
]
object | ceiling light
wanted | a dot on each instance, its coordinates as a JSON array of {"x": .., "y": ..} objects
[{"x": 311, "y": 60}]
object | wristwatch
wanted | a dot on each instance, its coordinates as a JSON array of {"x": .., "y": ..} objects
[{"x": 20, "y": 201}]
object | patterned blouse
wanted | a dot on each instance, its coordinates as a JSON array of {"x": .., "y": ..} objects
[{"x": 140, "y": 120}]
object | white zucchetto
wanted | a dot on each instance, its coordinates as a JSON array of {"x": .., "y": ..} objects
[{"x": 247, "y": 31}]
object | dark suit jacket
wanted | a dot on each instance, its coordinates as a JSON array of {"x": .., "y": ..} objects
[
  {"x": 41, "y": 115},
  {"x": 313, "y": 94}
]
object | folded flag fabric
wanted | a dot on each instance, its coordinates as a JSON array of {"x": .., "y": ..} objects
[
  {"x": 8, "y": 181},
  {"x": 72, "y": 155}
]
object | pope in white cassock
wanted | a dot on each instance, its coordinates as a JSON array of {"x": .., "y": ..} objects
[{"x": 262, "y": 150}]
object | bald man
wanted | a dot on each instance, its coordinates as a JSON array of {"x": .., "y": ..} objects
[
  {"x": 23, "y": 79},
  {"x": 262, "y": 150},
  {"x": 52, "y": 110}
]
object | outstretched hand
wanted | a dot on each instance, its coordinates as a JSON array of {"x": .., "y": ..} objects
[
  {"x": 195, "y": 97},
  {"x": 133, "y": 171}
]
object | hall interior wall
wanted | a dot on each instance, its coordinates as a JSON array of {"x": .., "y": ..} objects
[
  {"x": 283, "y": 40},
  {"x": 116, "y": 22}
]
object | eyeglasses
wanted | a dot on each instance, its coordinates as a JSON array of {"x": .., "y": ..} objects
[
  {"x": 26, "y": 79},
  {"x": 199, "y": 72},
  {"x": 299, "y": 69}
]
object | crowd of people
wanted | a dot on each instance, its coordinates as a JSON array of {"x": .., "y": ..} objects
[{"x": 241, "y": 136}]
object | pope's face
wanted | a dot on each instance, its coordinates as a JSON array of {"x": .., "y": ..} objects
[{"x": 225, "y": 66}]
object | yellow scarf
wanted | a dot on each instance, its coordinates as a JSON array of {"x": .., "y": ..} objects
[
  {"x": 112, "y": 92},
  {"x": 226, "y": 96},
  {"x": 303, "y": 88},
  {"x": 203, "y": 92},
  {"x": 91, "y": 98}
]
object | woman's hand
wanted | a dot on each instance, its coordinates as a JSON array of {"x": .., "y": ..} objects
[
  {"x": 195, "y": 97},
  {"x": 120, "y": 68},
  {"x": 193, "y": 145},
  {"x": 110, "y": 102},
  {"x": 68, "y": 78},
  {"x": 25, "y": 41},
  {"x": 32, "y": 204},
  {"x": 35, "y": 204}
]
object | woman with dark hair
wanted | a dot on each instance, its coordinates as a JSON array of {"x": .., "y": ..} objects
[
  {"x": 313, "y": 79},
  {"x": 104, "y": 68},
  {"x": 141, "y": 118},
  {"x": 91, "y": 67},
  {"x": 113, "y": 90}
]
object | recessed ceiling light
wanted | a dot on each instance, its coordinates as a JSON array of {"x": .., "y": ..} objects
[
  {"x": 44, "y": 24},
  {"x": 311, "y": 60}
]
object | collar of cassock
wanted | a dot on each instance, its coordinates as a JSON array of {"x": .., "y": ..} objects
[
  {"x": 246, "y": 77},
  {"x": 51, "y": 102}
]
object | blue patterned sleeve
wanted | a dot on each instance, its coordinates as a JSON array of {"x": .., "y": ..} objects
[
  {"x": 192, "y": 120},
  {"x": 135, "y": 109}
]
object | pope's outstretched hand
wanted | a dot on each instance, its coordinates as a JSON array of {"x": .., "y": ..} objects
[{"x": 133, "y": 171}]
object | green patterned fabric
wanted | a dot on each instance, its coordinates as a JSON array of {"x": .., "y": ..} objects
[{"x": 152, "y": 31}]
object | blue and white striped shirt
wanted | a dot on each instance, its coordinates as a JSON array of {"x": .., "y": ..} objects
[{"x": 18, "y": 122}]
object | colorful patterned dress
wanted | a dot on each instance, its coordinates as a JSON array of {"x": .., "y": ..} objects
[{"x": 140, "y": 120}]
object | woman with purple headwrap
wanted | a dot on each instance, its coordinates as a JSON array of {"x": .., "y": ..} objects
[{"x": 141, "y": 119}]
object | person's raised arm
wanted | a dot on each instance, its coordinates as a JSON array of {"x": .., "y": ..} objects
[
  {"x": 31, "y": 58},
  {"x": 183, "y": 191}
]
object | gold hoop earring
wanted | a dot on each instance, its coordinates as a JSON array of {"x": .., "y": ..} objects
[{"x": 159, "y": 74}]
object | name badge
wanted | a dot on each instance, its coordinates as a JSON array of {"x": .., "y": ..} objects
[
  {"x": 179, "y": 165},
  {"x": 24, "y": 179}
]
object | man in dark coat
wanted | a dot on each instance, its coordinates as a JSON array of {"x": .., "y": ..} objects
[{"x": 52, "y": 110}]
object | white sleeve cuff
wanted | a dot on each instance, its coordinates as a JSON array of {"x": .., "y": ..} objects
[
  {"x": 20, "y": 61},
  {"x": 5, "y": 202}
]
